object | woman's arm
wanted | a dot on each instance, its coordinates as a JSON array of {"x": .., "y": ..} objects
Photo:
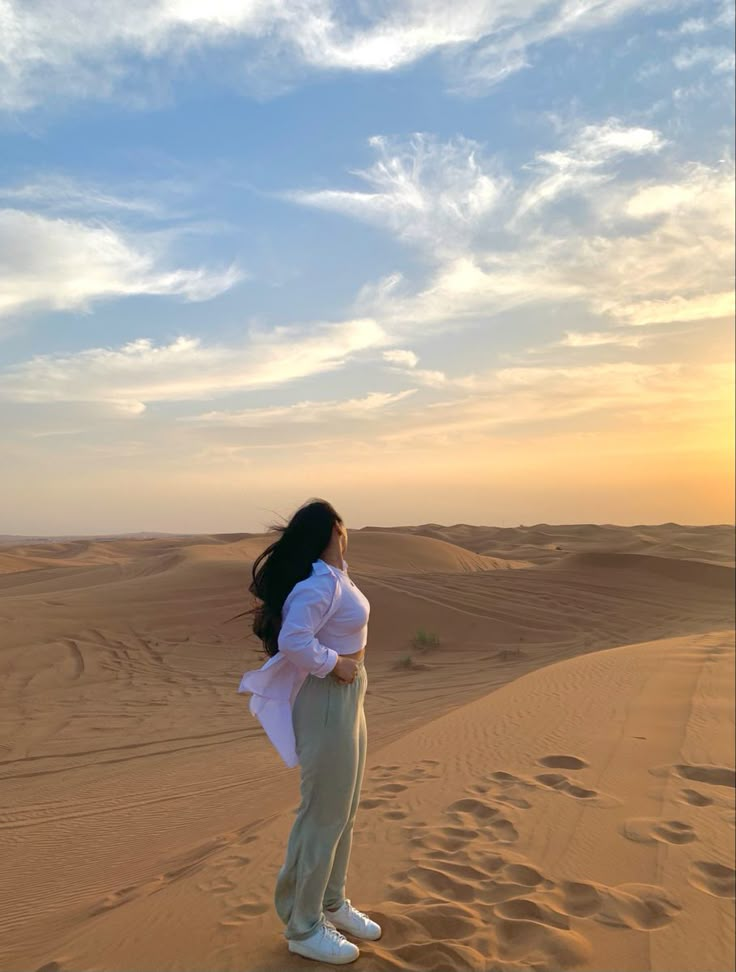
[{"x": 304, "y": 612}]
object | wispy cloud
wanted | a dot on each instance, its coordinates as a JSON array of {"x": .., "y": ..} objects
[
  {"x": 78, "y": 50},
  {"x": 677, "y": 308},
  {"x": 597, "y": 339},
  {"x": 401, "y": 357},
  {"x": 645, "y": 248},
  {"x": 128, "y": 378},
  {"x": 581, "y": 165},
  {"x": 424, "y": 191},
  {"x": 67, "y": 263},
  {"x": 370, "y": 407},
  {"x": 57, "y": 193},
  {"x": 446, "y": 196},
  {"x": 405, "y": 363},
  {"x": 719, "y": 58},
  {"x": 508, "y": 397},
  {"x": 693, "y": 25}
]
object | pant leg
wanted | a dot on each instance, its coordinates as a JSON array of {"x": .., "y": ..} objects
[
  {"x": 335, "y": 891},
  {"x": 326, "y": 729}
]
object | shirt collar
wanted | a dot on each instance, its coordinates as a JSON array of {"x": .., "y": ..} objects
[{"x": 320, "y": 567}]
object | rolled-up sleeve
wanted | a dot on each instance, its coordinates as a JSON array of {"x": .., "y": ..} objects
[{"x": 304, "y": 611}]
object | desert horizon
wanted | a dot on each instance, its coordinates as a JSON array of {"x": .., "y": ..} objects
[
  {"x": 550, "y": 776},
  {"x": 10, "y": 538}
]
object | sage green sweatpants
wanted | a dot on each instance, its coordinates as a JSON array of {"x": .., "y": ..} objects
[{"x": 330, "y": 731}]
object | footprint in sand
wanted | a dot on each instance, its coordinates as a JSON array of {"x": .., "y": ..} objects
[
  {"x": 240, "y": 912},
  {"x": 496, "y": 825},
  {"x": 220, "y": 885},
  {"x": 396, "y": 782},
  {"x": 528, "y": 877},
  {"x": 715, "y": 775},
  {"x": 391, "y": 788},
  {"x": 237, "y": 859},
  {"x": 700, "y": 773},
  {"x": 371, "y": 804},
  {"x": 639, "y": 906},
  {"x": 559, "y": 782},
  {"x": 424, "y": 770},
  {"x": 579, "y": 899},
  {"x": 520, "y": 940},
  {"x": 716, "y": 879},
  {"x": 507, "y": 779},
  {"x": 440, "y": 841},
  {"x": 508, "y": 788},
  {"x": 695, "y": 798},
  {"x": 525, "y": 909},
  {"x": 563, "y": 762},
  {"x": 650, "y": 830},
  {"x": 513, "y": 801},
  {"x": 493, "y": 916},
  {"x": 382, "y": 769},
  {"x": 468, "y": 897}
]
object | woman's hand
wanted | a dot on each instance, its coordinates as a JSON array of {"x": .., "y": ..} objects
[{"x": 345, "y": 669}]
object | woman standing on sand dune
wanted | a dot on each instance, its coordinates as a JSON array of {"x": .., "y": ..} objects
[{"x": 309, "y": 698}]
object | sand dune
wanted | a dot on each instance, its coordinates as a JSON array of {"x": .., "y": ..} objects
[
  {"x": 513, "y": 816},
  {"x": 689, "y": 571},
  {"x": 545, "y": 543},
  {"x": 580, "y": 817}
]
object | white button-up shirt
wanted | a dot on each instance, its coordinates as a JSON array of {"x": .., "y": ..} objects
[{"x": 328, "y": 604}]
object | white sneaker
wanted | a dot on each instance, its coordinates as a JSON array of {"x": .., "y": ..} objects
[
  {"x": 326, "y": 944},
  {"x": 349, "y": 919}
]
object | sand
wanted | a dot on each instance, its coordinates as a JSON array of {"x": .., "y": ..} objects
[{"x": 550, "y": 788}]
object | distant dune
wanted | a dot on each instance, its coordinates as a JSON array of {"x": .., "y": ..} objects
[
  {"x": 543, "y": 542},
  {"x": 689, "y": 571},
  {"x": 551, "y": 787}
]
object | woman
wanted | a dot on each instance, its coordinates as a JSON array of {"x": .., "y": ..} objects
[{"x": 309, "y": 698}]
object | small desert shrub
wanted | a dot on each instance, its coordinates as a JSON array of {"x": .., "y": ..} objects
[
  {"x": 425, "y": 639},
  {"x": 406, "y": 661}
]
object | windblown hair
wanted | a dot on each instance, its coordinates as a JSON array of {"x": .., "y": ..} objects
[{"x": 286, "y": 562}]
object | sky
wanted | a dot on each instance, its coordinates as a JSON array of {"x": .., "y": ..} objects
[{"x": 432, "y": 262}]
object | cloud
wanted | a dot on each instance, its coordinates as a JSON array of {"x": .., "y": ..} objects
[
  {"x": 129, "y": 48},
  {"x": 401, "y": 357},
  {"x": 596, "y": 339},
  {"x": 424, "y": 191},
  {"x": 504, "y": 399},
  {"x": 581, "y": 165},
  {"x": 651, "y": 252},
  {"x": 68, "y": 263},
  {"x": 719, "y": 59},
  {"x": 128, "y": 378},
  {"x": 693, "y": 25},
  {"x": 508, "y": 397},
  {"x": 677, "y": 308},
  {"x": 368, "y": 407},
  {"x": 477, "y": 285},
  {"x": 518, "y": 31},
  {"x": 648, "y": 252},
  {"x": 58, "y": 193},
  {"x": 405, "y": 363}
]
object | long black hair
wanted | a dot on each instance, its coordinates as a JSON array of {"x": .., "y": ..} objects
[{"x": 286, "y": 562}]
